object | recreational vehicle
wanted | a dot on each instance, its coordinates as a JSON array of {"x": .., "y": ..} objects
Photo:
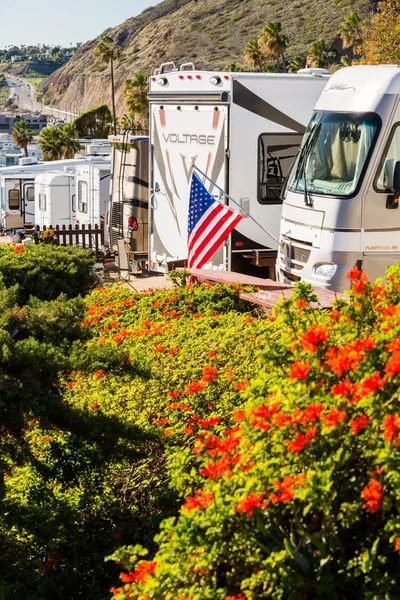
[
  {"x": 243, "y": 131},
  {"x": 92, "y": 191},
  {"x": 342, "y": 198},
  {"x": 55, "y": 198},
  {"x": 128, "y": 215}
]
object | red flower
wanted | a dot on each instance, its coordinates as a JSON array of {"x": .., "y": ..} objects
[
  {"x": 300, "y": 440},
  {"x": 313, "y": 337},
  {"x": 114, "y": 324},
  {"x": 333, "y": 418},
  {"x": 397, "y": 544},
  {"x": 299, "y": 370},
  {"x": 241, "y": 385},
  {"x": 370, "y": 384},
  {"x": 249, "y": 503},
  {"x": 359, "y": 423},
  {"x": 140, "y": 573},
  {"x": 358, "y": 280},
  {"x": 209, "y": 374},
  {"x": 159, "y": 347},
  {"x": 212, "y": 353},
  {"x": 391, "y": 428},
  {"x": 102, "y": 341},
  {"x": 173, "y": 351},
  {"x": 99, "y": 374},
  {"x": 160, "y": 421},
  {"x": 188, "y": 430},
  {"x": 127, "y": 302},
  {"x": 194, "y": 387},
  {"x": 201, "y": 499},
  {"x": 285, "y": 488},
  {"x": 372, "y": 494},
  {"x": 94, "y": 405}
]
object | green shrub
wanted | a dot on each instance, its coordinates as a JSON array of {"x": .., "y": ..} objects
[
  {"x": 299, "y": 497},
  {"x": 46, "y": 271}
]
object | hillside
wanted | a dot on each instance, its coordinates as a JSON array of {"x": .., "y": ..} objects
[{"x": 212, "y": 33}]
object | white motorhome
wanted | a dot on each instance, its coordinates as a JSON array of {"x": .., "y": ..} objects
[
  {"x": 243, "y": 130},
  {"x": 338, "y": 210},
  {"x": 55, "y": 198},
  {"x": 17, "y": 189},
  {"x": 128, "y": 214},
  {"x": 92, "y": 181}
]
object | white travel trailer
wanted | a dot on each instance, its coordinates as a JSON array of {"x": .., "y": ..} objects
[
  {"x": 338, "y": 210},
  {"x": 55, "y": 198},
  {"x": 128, "y": 214},
  {"x": 243, "y": 130},
  {"x": 17, "y": 190},
  {"x": 92, "y": 181}
]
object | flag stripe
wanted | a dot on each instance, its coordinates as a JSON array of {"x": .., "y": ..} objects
[
  {"x": 209, "y": 236},
  {"x": 203, "y": 231},
  {"x": 207, "y": 219},
  {"x": 201, "y": 260}
]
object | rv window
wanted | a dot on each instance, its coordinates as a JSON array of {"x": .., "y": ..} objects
[
  {"x": 384, "y": 182},
  {"x": 74, "y": 203},
  {"x": 30, "y": 193},
  {"x": 42, "y": 201},
  {"x": 13, "y": 199},
  {"x": 82, "y": 196},
  {"x": 276, "y": 154}
]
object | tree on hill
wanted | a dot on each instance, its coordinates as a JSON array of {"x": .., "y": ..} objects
[
  {"x": 253, "y": 55},
  {"x": 295, "y": 63},
  {"x": 320, "y": 55},
  {"x": 381, "y": 36},
  {"x": 136, "y": 97},
  {"x": 22, "y": 135},
  {"x": 108, "y": 52},
  {"x": 273, "y": 43},
  {"x": 95, "y": 123},
  {"x": 350, "y": 30}
]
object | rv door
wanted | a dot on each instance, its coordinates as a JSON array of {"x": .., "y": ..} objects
[
  {"x": 183, "y": 134},
  {"x": 28, "y": 199}
]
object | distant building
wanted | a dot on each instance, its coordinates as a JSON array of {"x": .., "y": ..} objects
[{"x": 36, "y": 122}]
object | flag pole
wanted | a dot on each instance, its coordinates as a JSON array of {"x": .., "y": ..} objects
[{"x": 237, "y": 203}]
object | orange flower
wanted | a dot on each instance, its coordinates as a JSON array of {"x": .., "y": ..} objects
[
  {"x": 94, "y": 405},
  {"x": 173, "y": 394},
  {"x": 397, "y": 544},
  {"x": 102, "y": 341},
  {"x": 241, "y": 385},
  {"x": 333, "y": 418},
  {"x": 159, "y": 348},
  {"x": 209, "y": 374},
  {"x": 313, "y": 337},
  {"x": 249, "y": 503},
  {"x": 299, "y": 370},
  {"x": 359, "y": 423},
  {"x": 194, "y": 387},
  {"x": 372, "y": 494},
  {"x": 201, "y": 499},
  {"x": 212, "y": 353}
]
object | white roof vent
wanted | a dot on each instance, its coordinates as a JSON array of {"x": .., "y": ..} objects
[
  {"x": 311, "y": 71},
  {"x": 28, "y": 160}
]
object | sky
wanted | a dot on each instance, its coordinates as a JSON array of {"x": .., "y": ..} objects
[{"x": 54, "y": 22}]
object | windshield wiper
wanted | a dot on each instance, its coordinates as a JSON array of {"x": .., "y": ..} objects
[{"x": 302, "y": 163}]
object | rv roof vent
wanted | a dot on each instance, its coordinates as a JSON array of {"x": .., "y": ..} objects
[
  {"x": 311, "y": 71},
  {"x": 28, "y": 160},
  {"x": 187, "y": 67}
]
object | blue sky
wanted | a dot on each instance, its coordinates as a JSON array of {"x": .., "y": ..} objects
[{"x": 63, "y": 21}]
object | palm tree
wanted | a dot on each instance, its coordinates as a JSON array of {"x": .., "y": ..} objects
[
  {"x": 320, "y": 55},
  {"x": 295, "y": 63},
  {"x": 108, "y": 52},
  {"x": 22, "y": 135},
  {"x": 273, "y": 43},
  {"x": 350, "y": 30},
  {"x": 69, "y": 143},
  {"x": 51, "y": 143},
  {"x": 253, "y": 55},
  {"x": 136, "y": 96}
]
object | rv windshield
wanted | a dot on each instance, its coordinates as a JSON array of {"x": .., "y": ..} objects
[{"x": 335, "y": 152}]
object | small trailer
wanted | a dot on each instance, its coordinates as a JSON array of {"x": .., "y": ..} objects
[
  {"x": 55, "y": 199},
  {"x": 92, "y": 180},
  {"x": 342, "y": 203},
  {"x": 128, "y": 215},
  {"x": 243, "y": 130},
  {"x": 17, "y": 190}
]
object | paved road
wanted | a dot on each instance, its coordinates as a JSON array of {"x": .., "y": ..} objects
[{"x": 23, "y": 94}]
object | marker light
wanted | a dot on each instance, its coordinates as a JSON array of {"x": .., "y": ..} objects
[
  {"x": 325, "y": 270},
  {"x": 181, "y": 77},
  {"x": 215, "y": 80},
  {"x": 162, "y": 81},
  {"x": 189, "y": 76},
  {"x": 198, "y": 76},
  {"x": 153, "y": 78},
  {"x": 226, "y": 76}
]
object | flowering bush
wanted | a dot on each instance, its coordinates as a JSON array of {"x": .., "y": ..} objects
[
  {"x": 46, "y": 271},
  {"x": 295, "y": 494}
]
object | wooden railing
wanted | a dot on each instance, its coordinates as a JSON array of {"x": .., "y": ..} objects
[{"x": 85, "y": 236}]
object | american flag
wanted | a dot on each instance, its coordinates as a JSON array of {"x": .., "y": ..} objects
[{"x": 209, "y": 223}]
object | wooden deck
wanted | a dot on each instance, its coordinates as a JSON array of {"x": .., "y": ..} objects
[{"x": 270, "y": 292}]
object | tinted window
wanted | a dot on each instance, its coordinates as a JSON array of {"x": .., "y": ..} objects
[
  {"x": 13, "y": 199},
  {"x": 276, "y": 154}
]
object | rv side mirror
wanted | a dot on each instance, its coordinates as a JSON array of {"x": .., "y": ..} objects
[{"x": 392, "y": 200}]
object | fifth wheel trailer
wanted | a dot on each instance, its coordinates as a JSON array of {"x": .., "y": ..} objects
[
  {"x": 341, "y": 208},
  {"x": 243, "y": 130}
]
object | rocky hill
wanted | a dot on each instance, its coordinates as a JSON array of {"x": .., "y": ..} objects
[{"x": 212, "y": 33}]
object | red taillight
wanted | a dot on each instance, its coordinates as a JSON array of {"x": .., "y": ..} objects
[
  {"x": 130, "y": 221},
  {"x": 154, "y": 78},
  {"x": 77, "y": 221},
  {"x": 226, "y": 76},
  {"x": 239, "y": 244}
]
